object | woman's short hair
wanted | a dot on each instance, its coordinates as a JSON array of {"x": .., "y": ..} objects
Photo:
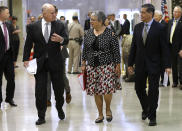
[{"x": 100, "y": 16}]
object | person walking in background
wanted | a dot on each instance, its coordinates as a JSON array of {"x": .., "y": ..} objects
[
  {"x": 115, "y": 25},
  {"x": 158, "y": 18},
  {"x": 6, "y": 56},
  {"x": 174, "y": 38},
  {"x": 102, "y": 55},
  {"x": 16, "y": 39},
  {"x": 87, "y": 22},
  {"x": 125, "y": 26},
  {"x": 66, "y": 55},
  {"x": 149, "y": 50},
  {"x": 76, "y": 33}
]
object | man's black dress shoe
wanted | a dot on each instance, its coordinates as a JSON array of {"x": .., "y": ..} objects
[
  {"x": 174, "y": 85},
  {"x": 61, "y": 114},
  {"x": 12, "y": 103},
  {"x": 152, "y": 122},
  {"x": 144, "y": 115},
  {"x": 40, "y": 121}
]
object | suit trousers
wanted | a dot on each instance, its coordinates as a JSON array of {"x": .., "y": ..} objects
[
  {"x": 148, "y": 101},
  {"x": 7, "y": 67},
  {"x": 74, "y": 56},
  {"x": 65, "y": 79},
  {"x": 41, "y": 88},
  {"x": 176, "y": 68}
]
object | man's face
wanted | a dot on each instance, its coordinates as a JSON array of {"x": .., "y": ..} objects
[
  {"x": 32, "y": 19},
  {"x": 49, "y": 14},
  {"x": 4, "y": 15},
  {"x": 145, "y": 16},
  {"x": 157, "y": 17},
  {"x": 62, "y": 19},
  {"x": 176, "y": 13}
]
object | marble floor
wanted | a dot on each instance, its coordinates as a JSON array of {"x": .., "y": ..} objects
[{"x": 81, "y": 112}]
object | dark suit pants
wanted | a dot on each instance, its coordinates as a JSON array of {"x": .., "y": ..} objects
[
  {"x": 7, "y": 67},
  {"x": 65, "y": 79},
  {"x": 41, "y": 89},
  {"x": 176, "y": 68},
  {"x": 148, "y": 101}
]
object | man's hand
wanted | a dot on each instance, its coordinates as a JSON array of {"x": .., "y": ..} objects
[
  {"x": 56, "y": 38},
  {"x": 168, "y": 70},
  {"x": 180, "y": 53},
  {"x": 26, "y": 64},
  {"x": 130, "y": 70}
]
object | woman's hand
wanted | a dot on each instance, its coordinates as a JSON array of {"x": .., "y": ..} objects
[
  {"x": 83, "y": 68},
  {"x": 118, "y": 70}
]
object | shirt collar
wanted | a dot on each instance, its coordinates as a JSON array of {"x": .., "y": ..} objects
[
  {"x": 149, "y": 23},
  {"x": 1, "y": 22},
  {"x": 176, "y": 19},
  {"x": 44, "y": 22}
]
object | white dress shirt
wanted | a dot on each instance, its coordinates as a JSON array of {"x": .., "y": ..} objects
[{"x": 1, "y": 23}]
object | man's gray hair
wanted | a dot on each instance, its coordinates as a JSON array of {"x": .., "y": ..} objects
[
  {"x": 100, "y": 16},
  {"x": 46, "y": 6},
  {"x": 179, "y": 7},
  {"x": 158, "y": 12}
]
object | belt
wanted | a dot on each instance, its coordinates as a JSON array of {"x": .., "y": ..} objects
[{"x": 71, "y": 39}]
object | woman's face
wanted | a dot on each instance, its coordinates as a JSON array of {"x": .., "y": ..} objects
[
  {"x": 95, "y": 23},
  {"x": 106, "y": 22},
  {"x": 14, "y": 21}
]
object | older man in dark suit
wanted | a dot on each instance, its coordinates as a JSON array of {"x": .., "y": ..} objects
[
  {"x": 175, "y": 41},
  {"x": 158, "y": 18},
  {"x": 149, "y": 50},
  {"x": 47, "y": 36},
  {"x": 6, "y": 57}
]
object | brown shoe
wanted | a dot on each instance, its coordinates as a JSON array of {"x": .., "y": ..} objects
[
  {"x": 68, "y": 98},
  {"x": 48, "y": 103}
]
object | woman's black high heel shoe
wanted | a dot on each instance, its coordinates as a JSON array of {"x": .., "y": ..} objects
[{"x": 99, "y": 120}]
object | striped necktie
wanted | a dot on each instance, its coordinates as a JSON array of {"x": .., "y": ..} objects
[{"x": 5, "y": 36}]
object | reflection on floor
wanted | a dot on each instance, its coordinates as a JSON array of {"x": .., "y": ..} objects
[{"x": 81, "y": 112}]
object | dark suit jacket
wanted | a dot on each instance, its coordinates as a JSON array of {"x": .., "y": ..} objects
[
  {"x": 87, "y": 24},
  {"x": 41, "y": 48},
  {"x": 153, "y": 54},
  {"x": 2, "y": 41},
  {"x": 64, "y": 49},
  {"x": 126, "y": 27},
  {"x": 177, "y": 36}
]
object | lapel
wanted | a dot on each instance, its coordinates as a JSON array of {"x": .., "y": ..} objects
[
  {"x": 152, "y": 29},
  {"x": 40, "y": 30},
  {"x": 53, "y": 23},
  {"x": 141, "y": 33},
  {"x": 178, "y": 25}
]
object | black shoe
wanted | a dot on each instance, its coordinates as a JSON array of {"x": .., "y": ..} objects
[
  {"x": 76, "y": 72},
  {"x": 124, "y": 77},
  {"x": 12, "y": 103},
  {"x": 69, "y": 72},
  {"x": 99, "y": 120},
  {"x": 40, "y": 121},
  {"x": 174, "y": 85},
  {"x": 152, "y": 122},
  {"x": 144, "y": 115},
  {"x": 61, "y": 114},
  {"x": 161, "y": 84}
]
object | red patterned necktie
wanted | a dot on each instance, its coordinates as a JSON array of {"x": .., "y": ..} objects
[{"x": 5, "y": 35}]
